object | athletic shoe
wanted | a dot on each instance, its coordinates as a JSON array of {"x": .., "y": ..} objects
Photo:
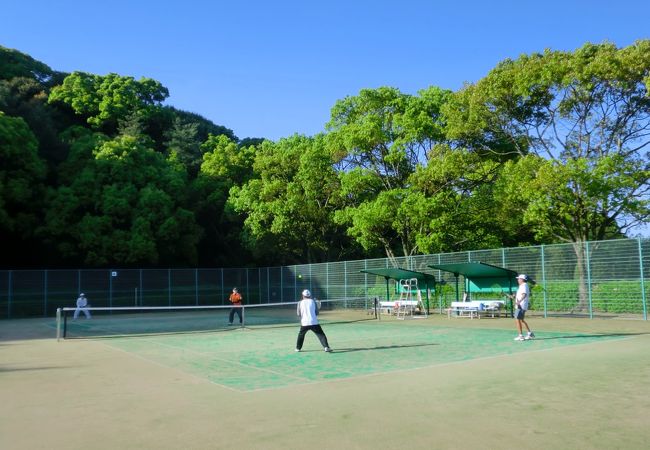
[
  {"x": 328, "y": 350},
  {"x": 297, "y": 349},
  {"x": 230, "y": 324},
  {"x": 519, "y": 338},
  {"x": 530, "y": 335}
]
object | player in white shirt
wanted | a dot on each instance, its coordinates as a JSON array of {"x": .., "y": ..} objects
[
  {"x": 82, "y": 305},
  {"x": 522, "y": 300},
  {"x": 308, "y": 311}
]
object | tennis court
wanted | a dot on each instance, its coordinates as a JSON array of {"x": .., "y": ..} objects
[{"x": 420, "y": 383}]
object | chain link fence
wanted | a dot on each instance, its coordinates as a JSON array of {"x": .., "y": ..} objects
[{"x": 601, "y": 278}]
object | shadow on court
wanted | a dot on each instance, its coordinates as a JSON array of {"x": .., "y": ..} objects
[
  {"x": 589, "y": 336},
  {"x": 380, "y": 347}
]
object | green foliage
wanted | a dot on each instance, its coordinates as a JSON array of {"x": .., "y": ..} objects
[
  {"x": 586, "y": 113},
  {"x": 27, "y": 98},
  {"x": 290, "y": 201},
  {"x": 618, "y": 297},
  {"x": 104, "y": 100},
  {"x": 548, "y": 147},
  {"x": 124, "y": 205},
  {"x": 380, "y": 138},
  {"x": 14, "y": 64},
  {"x": 22, "y": 173},
  {"x": 583, "y": 199},
  {"x": 607, "y": 297},
  {"x": 225, "y": 164}
]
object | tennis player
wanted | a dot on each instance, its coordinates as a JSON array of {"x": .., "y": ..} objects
[
  {"x": 236, "y": 299},
  {"x": 308, "y": 312},
  {"x": 522, "y": 299},
  {"x": 82, "y": 305}
]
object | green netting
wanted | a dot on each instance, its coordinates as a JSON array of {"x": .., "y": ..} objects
[{"x": 607, "y": 278}]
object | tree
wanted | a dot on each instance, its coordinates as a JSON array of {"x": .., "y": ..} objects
[
  {"x": 183, "y": 140},
  {"x": 104, "y": 100},
  {"x": 22, "y": 175},
  {"x": 120, "y": 202},
  {"x": 289, "y": 203},
  {"x": 27, "y": 98},
  {"x": 577, "y": 109},
  {"x": 587, "y": 114},
  {"x": 379, "y": 138},
  {"x": 225, "y": 164},
  {"x": 15, "y": 64},
  {"x": 458, "y": 203}
]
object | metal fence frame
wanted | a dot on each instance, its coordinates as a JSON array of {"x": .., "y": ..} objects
[{"x": 611, "y": 281}]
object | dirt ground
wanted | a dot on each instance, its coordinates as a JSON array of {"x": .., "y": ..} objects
[{"x": 80, "y": 394}]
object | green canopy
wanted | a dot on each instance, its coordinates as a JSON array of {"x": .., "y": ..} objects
[
  {"x": 480, "y": 274},
  {"x": 404, "y": 274}
]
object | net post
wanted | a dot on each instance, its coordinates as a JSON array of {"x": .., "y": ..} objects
[
  {"x": 65, "y": 324},
  {"x": 376, "y": 303},
  {"x": 58, "y": 324}
]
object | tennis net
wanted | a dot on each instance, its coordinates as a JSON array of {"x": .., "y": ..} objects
[{"x": 139, "y": 320}]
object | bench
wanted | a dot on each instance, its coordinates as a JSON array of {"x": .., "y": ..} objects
[{"x": 476, "y": 308}]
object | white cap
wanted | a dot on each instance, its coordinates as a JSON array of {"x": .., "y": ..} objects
[
  {"x": 82, "y": 295},
  {"x": 522, "y": 277},
  {"x": 306, "y": 293}
]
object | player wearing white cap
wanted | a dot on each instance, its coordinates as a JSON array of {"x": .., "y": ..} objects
[
  {"x": 308, "y": 313},
  {"x": 522, "y": 299},
  {"x": 82, "y": 305}
]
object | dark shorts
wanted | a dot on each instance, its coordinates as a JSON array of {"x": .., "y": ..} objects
[{"x": 520, "y": 313}]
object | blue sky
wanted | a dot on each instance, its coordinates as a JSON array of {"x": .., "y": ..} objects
[{"x": 272, "y": 69}]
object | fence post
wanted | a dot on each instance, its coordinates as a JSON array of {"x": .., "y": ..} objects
[
  {"x": 141, "y": 293},
  {"x": 643, "y": 297},
  {"x": 345, "y": 282},
  {"x": 295, "y": 281},
  {"x": 58, "y": 324},
  {"x": 9, "y": 277},
  {"x": 223, "y": 294},
  {"x": 544, "y": 284},
  {"x": 588, "y": 264},
  {"x": 327, "y": 280},
  {"x": 45, "y": 293},
  {"x": 365, "y": 277}
]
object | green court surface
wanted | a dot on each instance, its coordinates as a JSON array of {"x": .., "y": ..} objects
[{"x": 264, "y": 358}]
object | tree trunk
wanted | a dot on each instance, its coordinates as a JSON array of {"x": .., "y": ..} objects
[{"x": 580, "y": 272}]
